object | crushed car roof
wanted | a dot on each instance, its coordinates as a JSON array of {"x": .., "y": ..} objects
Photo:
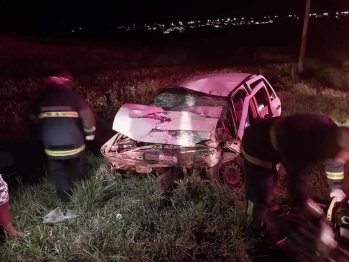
[{"x": 215, "y": 84}]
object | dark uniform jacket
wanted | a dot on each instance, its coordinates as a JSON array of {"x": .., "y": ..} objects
[
  {"x": 65, "y": 119},
  {"x": 297, "y": 141}
]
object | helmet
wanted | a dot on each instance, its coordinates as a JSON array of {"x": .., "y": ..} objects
[{"x": 60, "y": 79}]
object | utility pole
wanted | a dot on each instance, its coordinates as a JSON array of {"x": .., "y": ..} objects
[{"x": 304, "y": 36}]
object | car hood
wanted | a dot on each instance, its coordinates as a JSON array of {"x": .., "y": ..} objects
[{"x": 151, "y": 124}]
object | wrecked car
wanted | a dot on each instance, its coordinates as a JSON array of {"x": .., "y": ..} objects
[{"x": 195, "y": 125}]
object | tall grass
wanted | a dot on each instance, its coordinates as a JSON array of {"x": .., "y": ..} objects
[
  {"x": 198, "y": 222},
  {"x": 188, "y": 226}
]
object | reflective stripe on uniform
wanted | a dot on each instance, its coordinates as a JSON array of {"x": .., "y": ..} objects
[
  {"x": 59, "y": 114},
  {"x": 335, "y": 175},
  {"x": 249, "y": 211},
  {"x": 65, "y": 152},
  {"x": 257, "y": 161},
  {"x": 273, "y": 140},
  {"x": 90, "y": 130}
]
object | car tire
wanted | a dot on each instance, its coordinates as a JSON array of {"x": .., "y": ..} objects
[{"x": 229, "y": 171}]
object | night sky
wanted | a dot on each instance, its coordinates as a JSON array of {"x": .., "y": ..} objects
[{"x": 103, "y": 14}]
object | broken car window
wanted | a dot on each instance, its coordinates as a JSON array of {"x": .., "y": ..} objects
[{"x": 177, "y": 98}]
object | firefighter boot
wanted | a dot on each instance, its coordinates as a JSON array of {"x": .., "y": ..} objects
[
  {"x": 64, "y": 195},
  {"x": 255, "y": 230},
  {"x": 266, "y": 232}
]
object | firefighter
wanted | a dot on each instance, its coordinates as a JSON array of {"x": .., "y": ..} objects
[
  {"x": 296, "y": 141},
  {"x": 5, "y": 216},
  {"x": 66, "y": 120}
]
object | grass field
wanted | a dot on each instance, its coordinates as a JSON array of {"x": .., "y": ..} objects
[{"x": 200, "y": 222}]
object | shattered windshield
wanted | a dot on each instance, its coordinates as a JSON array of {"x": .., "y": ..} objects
[{"x": 176, "y": 98}]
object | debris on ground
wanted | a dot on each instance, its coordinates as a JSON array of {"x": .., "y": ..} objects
[{"x": 56, "y": 216}]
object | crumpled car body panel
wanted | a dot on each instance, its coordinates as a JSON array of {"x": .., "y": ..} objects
[
  {"x": 152, "y": 124},
  {"x": 150, "y": 137},
  {"x": 190, "y": 125}
]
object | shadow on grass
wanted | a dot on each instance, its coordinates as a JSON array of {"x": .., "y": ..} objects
[
  {"x": 27, "y": 165},
  {"x": 29, "y": 160}
]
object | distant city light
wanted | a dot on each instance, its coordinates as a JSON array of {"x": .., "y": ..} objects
[{"x": 181, "y": 26}]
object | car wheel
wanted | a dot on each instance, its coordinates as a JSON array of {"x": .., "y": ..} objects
[{"x": 229, "y": 171}]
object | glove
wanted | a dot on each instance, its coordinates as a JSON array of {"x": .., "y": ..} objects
[
  {"x": 90, "y": 137},
  {"x": 338, "y": 193}
]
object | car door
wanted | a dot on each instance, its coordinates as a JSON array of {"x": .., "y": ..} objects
[
  {"x": 257, "y": 102},
  {"x": 236, "y": 106},
  {"x": 262, "y": 101},
  {"x": 274, "y": 99}
]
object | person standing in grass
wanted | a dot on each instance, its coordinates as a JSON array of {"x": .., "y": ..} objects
[
  {"x": 65, "y": 120},
  {"x": 5, "y": 216}
]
